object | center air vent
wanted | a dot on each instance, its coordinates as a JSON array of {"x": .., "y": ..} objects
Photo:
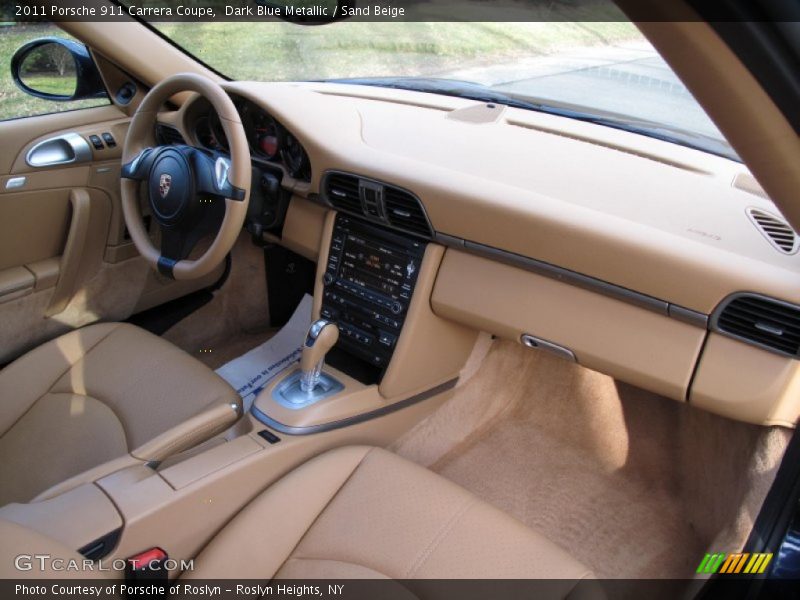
[
  {"x": 377, "y": 201},
  {"x": 342, "y": 191},
  {"x": 766, "y": 322},
  {"x": 777, "y": 231}
]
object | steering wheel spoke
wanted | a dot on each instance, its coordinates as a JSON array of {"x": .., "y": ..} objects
[
  {"x": 176, "y": 244},
  {"x": 211, "y": 175},
  {"x": 139, "y": 168}
]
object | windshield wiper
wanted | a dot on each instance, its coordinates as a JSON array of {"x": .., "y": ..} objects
[{"x": 482, "y": 93}]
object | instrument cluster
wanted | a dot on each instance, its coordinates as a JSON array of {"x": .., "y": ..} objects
[{"x": 269, "y": 140}]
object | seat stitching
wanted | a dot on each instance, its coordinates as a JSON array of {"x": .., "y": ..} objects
[
  {"x": 425, "y": 554},
  {"x": 345, "y": 562},
  {"x": 105, "y": 403},
  {"x": 264, "y": 490},
  {"x": 327, "y": 504},
  {"x": 83, "y": 356},
  {"x": 59, "y": 376}
]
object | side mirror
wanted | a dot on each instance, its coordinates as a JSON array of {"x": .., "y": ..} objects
[{"x": 56, "y": 69}]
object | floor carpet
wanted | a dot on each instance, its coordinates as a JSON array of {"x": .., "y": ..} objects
[{"x": 632, "y": 484}]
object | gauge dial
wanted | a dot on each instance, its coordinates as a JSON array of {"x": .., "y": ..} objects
[
  {"x": 295, "y": 157},
  {"x": 205, "y": 135},
  {"x": 215, "y": 125},
  {"x": 265, "y": 137}
]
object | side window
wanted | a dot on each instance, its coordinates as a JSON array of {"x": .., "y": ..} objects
[{"x": 49, "y": 69}]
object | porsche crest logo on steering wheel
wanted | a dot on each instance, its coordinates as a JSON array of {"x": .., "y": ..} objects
[{"x": 164, "y": 184}]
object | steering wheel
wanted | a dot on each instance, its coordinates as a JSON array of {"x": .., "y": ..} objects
[{"x": 192, "y": 191}]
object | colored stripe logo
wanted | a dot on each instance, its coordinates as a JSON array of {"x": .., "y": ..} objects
[{"x": 743, "y": 562}]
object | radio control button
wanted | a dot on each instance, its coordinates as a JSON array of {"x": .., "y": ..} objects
[
  {"x": 396, "y": 307},
  {"x": 387, "y": 339},
  {"x": 329, "y": 313},
  {"x": 327, "y": 279}
]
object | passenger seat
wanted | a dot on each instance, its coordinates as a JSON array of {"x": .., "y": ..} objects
[{"x": 362, "y": 512}]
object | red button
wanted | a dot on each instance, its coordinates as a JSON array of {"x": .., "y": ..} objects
[{"x": 143, "y": 559}]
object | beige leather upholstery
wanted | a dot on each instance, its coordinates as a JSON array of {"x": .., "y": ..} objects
[
  {"x": 98, "y": 394},
  {"x": 18, "y": 556},
  {"x": 361, "y": 512}
]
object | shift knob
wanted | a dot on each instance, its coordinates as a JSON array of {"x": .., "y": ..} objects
[{"x": 321, "y": 337}]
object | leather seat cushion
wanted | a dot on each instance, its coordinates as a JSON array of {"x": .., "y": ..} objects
[
  {"x": 363, "y": 512},
  {"x": 99, "y": 393}
]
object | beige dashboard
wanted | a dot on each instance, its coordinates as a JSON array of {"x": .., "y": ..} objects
[{"x": 613, "y": 245}]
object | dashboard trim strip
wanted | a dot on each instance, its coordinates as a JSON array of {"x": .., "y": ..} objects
[
  {"x": 354, "y": 420},
  {"x": 586, "y": 282}
]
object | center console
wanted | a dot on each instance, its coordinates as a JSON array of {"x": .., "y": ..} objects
[
  {"x": 388, "y": 349},
  {"x": 368, "y": 284}
]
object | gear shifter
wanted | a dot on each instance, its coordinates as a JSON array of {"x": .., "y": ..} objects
[
  {"x": 321, "y": 337},
  {"x": 309, "y": 384}
]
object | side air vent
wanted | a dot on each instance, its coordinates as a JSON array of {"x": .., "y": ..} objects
[
  {"x": 766, "y": 322},
  {"x": 405, "y": 212},
  {"x": 166, "y": 135},
  {"x": 777, "y": 231},
  {"x": 379, "y": 202}
]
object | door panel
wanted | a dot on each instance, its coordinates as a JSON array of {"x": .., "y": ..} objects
[
  {"x": 33, "y": 226},
  {"x": 65, "y": 258}
]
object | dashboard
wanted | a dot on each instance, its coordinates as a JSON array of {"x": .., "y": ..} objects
[
  {"x": 659, "y": 265},
  {"x": 269, "y": 140}
]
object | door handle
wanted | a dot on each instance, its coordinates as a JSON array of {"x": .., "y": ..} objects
[
  {"x": 69, "y": 148},
  {"x": 73, "y": 252}
]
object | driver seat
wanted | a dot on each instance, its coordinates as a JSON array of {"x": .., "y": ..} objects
[{"x": 98, "y": 399}]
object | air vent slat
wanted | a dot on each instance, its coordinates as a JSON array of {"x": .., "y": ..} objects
[
  {"x": 780, "y": 345},
  {"x": 777, "y": 231},
  {"x": 763, "y": 321},
  {"x": 382, "y": 202},
  {"x": 404, "y": 211},
  {"x": 734, "y": 323},
  {"x": 343, "y": 192},
  {"x": 750, "y": 319},
  {"x": 776, "y": 310},
  {"x": 751, "y": 313}
]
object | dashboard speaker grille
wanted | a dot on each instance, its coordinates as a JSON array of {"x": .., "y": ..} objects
[
  {"x": 763, "y": 321},
  {"x": 377, "y": 201},
  {"x": 777, "y": 231}
]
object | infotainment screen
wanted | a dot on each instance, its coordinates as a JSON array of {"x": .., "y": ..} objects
[
  {"x": 369, "y": 281},
  {"x": 373, "y": 266}
]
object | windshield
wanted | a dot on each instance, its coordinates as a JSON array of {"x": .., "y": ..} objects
[{"x": 597, "y": 69}]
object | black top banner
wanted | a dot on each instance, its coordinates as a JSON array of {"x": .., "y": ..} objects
[{"x": 320, "y": 12}]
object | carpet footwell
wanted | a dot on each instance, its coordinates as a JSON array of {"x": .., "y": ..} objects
[
  {"x": 632, "y": 484},
  {"x": 236, "y": 319}
]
